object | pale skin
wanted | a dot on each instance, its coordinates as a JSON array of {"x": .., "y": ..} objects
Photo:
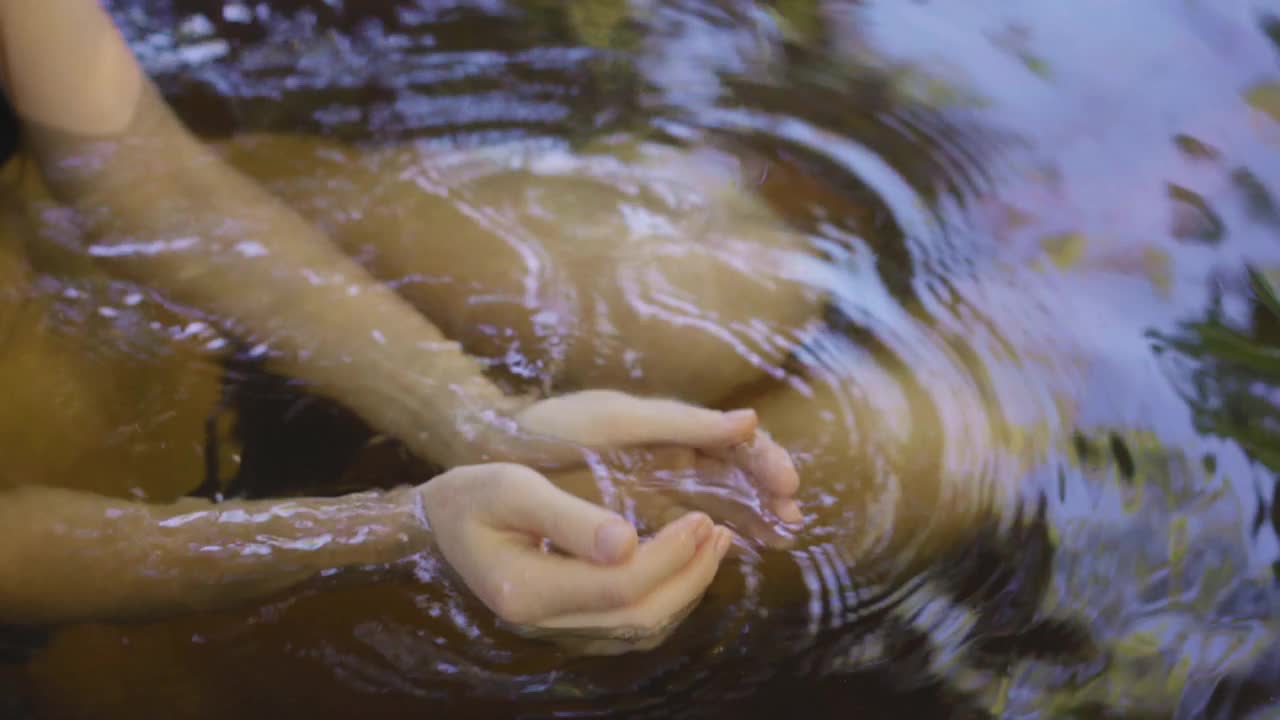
[{"x": 93, "y": 135}]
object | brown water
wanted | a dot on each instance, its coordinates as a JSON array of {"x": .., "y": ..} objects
[{"x": 1050, "y": 207}]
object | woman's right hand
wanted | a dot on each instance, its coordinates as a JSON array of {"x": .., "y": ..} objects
[{"x": 489, "y": 522}]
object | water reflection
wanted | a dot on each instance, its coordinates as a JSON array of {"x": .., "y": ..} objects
[{"x": 1007, "y": 212}]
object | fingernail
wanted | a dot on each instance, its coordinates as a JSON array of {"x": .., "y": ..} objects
[
  {"x": 702, "y": 527},
  {"x": 613, "y": 540},
  {"x": 722, "y": 542},
  {"x": 740, "y": 416},
  {"x": 790, "y": 513}
]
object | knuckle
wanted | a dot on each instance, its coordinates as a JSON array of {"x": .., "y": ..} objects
[
  {"x": 504, "y": 481},
  {"x": 512, "y": 475},
  {"x": 450, "y": 483},
  {"x": 501, "y": 595},
  {"x": 444, "y": 493},
  {"x": 605, "y": 396}
]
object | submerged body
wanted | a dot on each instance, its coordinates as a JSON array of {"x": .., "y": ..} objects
[
  {"x": 655, "y": 270},
  {"x": 638, "y": 268},
  {"x": 131, "y": 192},
  {"x": 634, "y": 266}
]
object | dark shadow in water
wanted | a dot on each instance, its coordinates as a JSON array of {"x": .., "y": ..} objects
[
  {"x": 1002, "y": 578},
  {"x": 293, "y": 443},
  {"x": 548, "y": 84},
  {"x": 17, "y": 643},
  {"x": 874, "y": 221},
  {"x": 8, "y": 130},
  {"x": 937, "y": 155}
]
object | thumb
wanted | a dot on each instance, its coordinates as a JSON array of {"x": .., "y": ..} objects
[
  {"x": 530, "y": 503},
  {"x": 603, "y": 418}
]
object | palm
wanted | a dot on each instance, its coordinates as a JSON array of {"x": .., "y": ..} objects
[{"x": 653, "y": 486}]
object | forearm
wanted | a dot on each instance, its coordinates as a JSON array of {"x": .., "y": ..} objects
[
  {"x": 68, "y": 556},
  {"x": 224, "y": 246},
  {"x": 162, "y": 209}
]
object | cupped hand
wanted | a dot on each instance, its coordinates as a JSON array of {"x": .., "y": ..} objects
[
  {"x": 656, "y": 485},
  {"x": 730, "y": 446},
  {"x": 490, "y": 523}
]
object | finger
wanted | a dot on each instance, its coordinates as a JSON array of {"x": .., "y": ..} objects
[
  {"x": 786, "y": 510},
  {"x": 605, "y": 418},
  {"x": 742, "y": 517},
  {"x": 769, "y": 464},
  {"x": 665, "y": 606},
  {"x": 652, "y": 509},
  {"x": 725, "y": 492},
  {"x": 778, "y": 469},
  {"x": 556, "y": 585},
  {"x": 528, "y": 502},
  {"x": 668, "y": 422}
]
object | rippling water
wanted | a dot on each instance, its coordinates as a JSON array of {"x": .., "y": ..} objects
[{"x": 1040, "y": 450}]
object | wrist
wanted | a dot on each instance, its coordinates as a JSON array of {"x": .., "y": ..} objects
[
  {"x": 475, "y": 423},
  {"x": 427, "y": 393},
  {"x": 411, "y": 527}
]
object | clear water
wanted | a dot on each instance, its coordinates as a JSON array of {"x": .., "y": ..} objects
[{"x": 1035, "y": 223}]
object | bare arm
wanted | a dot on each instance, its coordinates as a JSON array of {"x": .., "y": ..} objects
[
  {"x": 71, "y": 556},
  {"x": 163, "y": 209}
]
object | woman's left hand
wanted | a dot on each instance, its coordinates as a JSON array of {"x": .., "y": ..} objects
[{"x": 725, "y": 453}]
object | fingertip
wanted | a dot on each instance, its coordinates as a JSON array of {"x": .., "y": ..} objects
[
  {"x": 616, "y": 541},
  {"x": 741, "y": 424},
  {"x": 701, "y": 525},
  {"x": 723, "y": 537},
  {"x": 784, "y": 482},
  {"x": 743, "y": 549},
  {"x": 788, "y": 511},
  {"x": 691, "y": 529}
]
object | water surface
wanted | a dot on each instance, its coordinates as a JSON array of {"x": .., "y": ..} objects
[{"x": 1064, "y": 210}]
